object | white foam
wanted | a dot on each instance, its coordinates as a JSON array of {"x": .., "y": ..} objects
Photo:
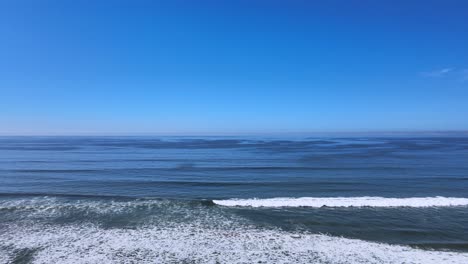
[
  {"x": 347, "y": 202},
  {"x": 5, "y": 256},
  {"x": 54, "y": 205},
  {"x": 192, "y": 244}
]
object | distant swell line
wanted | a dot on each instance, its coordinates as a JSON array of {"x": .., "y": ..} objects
[{"x": 365, "y": 201}]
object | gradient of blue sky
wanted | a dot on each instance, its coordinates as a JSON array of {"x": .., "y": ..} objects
[{"x": 217, "y": 67}]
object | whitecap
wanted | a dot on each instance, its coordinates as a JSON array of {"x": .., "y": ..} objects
[{"x": 365, "y": 201}]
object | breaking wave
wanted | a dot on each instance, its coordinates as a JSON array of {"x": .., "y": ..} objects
[{"x": 365, "y": 201}]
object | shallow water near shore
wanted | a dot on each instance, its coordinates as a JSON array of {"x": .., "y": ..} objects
[{"x": 233, "y": 200}]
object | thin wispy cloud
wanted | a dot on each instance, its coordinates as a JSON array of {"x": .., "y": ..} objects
[
  {"x": 454, "y": 74},
  {"x": 438, "y": 73},
  {"x": 464, "y": 74}
]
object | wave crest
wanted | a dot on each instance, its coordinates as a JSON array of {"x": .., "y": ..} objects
[{"x": 365, "y": 201}]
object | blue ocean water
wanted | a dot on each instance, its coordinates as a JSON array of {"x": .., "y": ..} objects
[{"x": 233, "y": 200}]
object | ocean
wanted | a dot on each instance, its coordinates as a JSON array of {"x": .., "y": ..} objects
[{"x": 233, "y": 200}]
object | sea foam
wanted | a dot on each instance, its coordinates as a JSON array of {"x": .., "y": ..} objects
[
  {"x": 192, "y": 244},
  {"x": 366, "y": 201}
]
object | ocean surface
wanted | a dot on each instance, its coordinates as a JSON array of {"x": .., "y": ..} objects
[{"x": 233, "y": 200}]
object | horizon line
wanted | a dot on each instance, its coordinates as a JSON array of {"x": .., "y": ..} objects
[{"x": 235, "y": 134}]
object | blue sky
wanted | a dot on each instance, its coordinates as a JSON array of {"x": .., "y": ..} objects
[{"x": 228, "y": 67}]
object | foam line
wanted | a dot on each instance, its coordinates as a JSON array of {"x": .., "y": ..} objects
[{"x": 365, "y": 201}]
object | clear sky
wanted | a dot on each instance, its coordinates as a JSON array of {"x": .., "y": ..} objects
[{"x": 227, "y": 67}]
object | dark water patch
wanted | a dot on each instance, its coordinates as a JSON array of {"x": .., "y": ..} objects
[
  {"x": 55, "y": 171},
  {"x": 220, "y": 184},
  {"x": 454, "y": 246},
  {"x": 189, "y": 167},
  {"x": 33, "y": 161},
  {"x": 61, "y": 195},
  {"x": 446, "y": 178},
  {"x": 23, "y": 256},
  {"x": 410, "y": 226},
  {"x": 45, "y": 148},
  {"x": 289, "y": 169}
]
